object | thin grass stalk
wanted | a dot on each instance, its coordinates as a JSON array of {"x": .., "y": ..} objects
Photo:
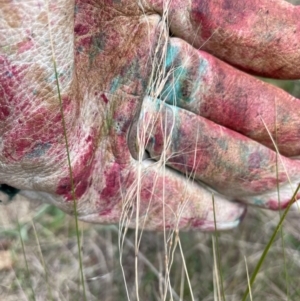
[
  {"x": 278, "y": 195},
  {"x": 216, "y": 280},
  {"x": 43, "y": 262},
  {"x": 26, "y": 263},
  {"x": 218, "y": 251},
  {"x": 267, "y": 248},
  {"x": 248, "y": 279},
  {"x": 182, "y": 283},
  {"x": 186, "y": 271},
  {"x": 72, "y": 185},
  {"x": 69, "y": 162}
]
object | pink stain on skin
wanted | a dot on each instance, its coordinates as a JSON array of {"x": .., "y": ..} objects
[
  {"x": 104, "y": 98},
  {"x": 282, "y": 204},
  {"x": 250, "y": 167},
  {"x": 27, "y": 126},
  {"x": 16, "y": 142},
  {"x": 9, "y": 76},
  {"x": 225, "y": 19},
  {"x": 4, "y": 112},
  {"x": 81, "y": 172},
  {"x": 210, "y": 88},
  {"x": 25, "y": 45},
  {"x": 248, "y": 34},
  {"x": 33, "y": 130},
  {"x": 113, "y": 183},
  {"x": 236, "y": 13},
  {"x": 242, "y": 107},
  {"x": 81, "y": 30}
]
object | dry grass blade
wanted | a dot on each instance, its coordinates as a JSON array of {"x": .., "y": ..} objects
[{"x": 68, "y": 157}]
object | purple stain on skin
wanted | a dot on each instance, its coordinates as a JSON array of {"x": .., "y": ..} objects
[
  {"x": 4, "y": 112},
  {"x": 104, "y": 98},
  {"x": 254, "y": 161},
  {"x": 275, "y": 204},
  {"x": 39, "y": 150},
  {"x": 81, "y": 30},
  {"x": 98, "y": 44},
  {"x": 105, "y": 212},
  {"x": 82, "y": 173},
  {"x": 112, "y": 180},
  {"x": 197, "y": 223}
]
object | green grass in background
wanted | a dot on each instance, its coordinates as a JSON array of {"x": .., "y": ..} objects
[{"x": 58, "y": 244}]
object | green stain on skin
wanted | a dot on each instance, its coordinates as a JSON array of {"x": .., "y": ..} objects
[
  {"x": 223, "y": 143},
  {"x": 258, "y": 202},
  {"x": 130, "y": 76},
  {"x": 114, "y": 85},
  {"x": 203, "y": 66},
  {"x": 244, "y": 152},
  {"x": 184, "y": 78},
  {"x": 172, "y": 88},
  {"x": 97, "y": 46},
  {"x": 172, "y": 53}
]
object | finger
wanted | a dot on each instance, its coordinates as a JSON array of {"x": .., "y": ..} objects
[
  {"x": 150, "y": 197},
  {"x": 259, "y": 36},
  {"x": 202, "y": 84},
  {"x": 168, "y": 200},
  {"x": 230, "y": 163},
  {"x": 276, "y": 199}
]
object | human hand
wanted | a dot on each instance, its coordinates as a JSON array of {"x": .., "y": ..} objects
[{"x": 87, "y": 87}]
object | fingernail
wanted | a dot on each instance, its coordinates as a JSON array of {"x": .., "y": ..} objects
[{"x": 228, "y": 225}]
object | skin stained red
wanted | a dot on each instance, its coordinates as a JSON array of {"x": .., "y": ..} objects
[
  {"x": 35, "y": 127},
  {"x": 86, "y": 42},
  {"x": 200, "y": 12},
  {"x": 237, "y": 101},
  {"x": 10, "y": 76},
  {"x": 32, "y": 129},
  {"x": 258, "y": 184},
  {"x": 282, "y": 205},
  {"x": 92, "y": 45},
  {"x": 4, "y": 111},
  {"x": 156, "y": 142},
  {"x": 196, "y": 223},
  {"x": 105, "y": 99},
  {"x": 4, "y": 92},
  {"x": 254, "y": 177},
  {"x": 81, "y": 30},
  {"x": 81, "y": 172},
  {"x": 112, "y": 183},
  {"x": 25, "y": 45},
  {"x": 247, "y": 34}
]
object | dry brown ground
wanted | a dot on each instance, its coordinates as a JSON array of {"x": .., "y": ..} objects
[{"x": 52, "y": 258}]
